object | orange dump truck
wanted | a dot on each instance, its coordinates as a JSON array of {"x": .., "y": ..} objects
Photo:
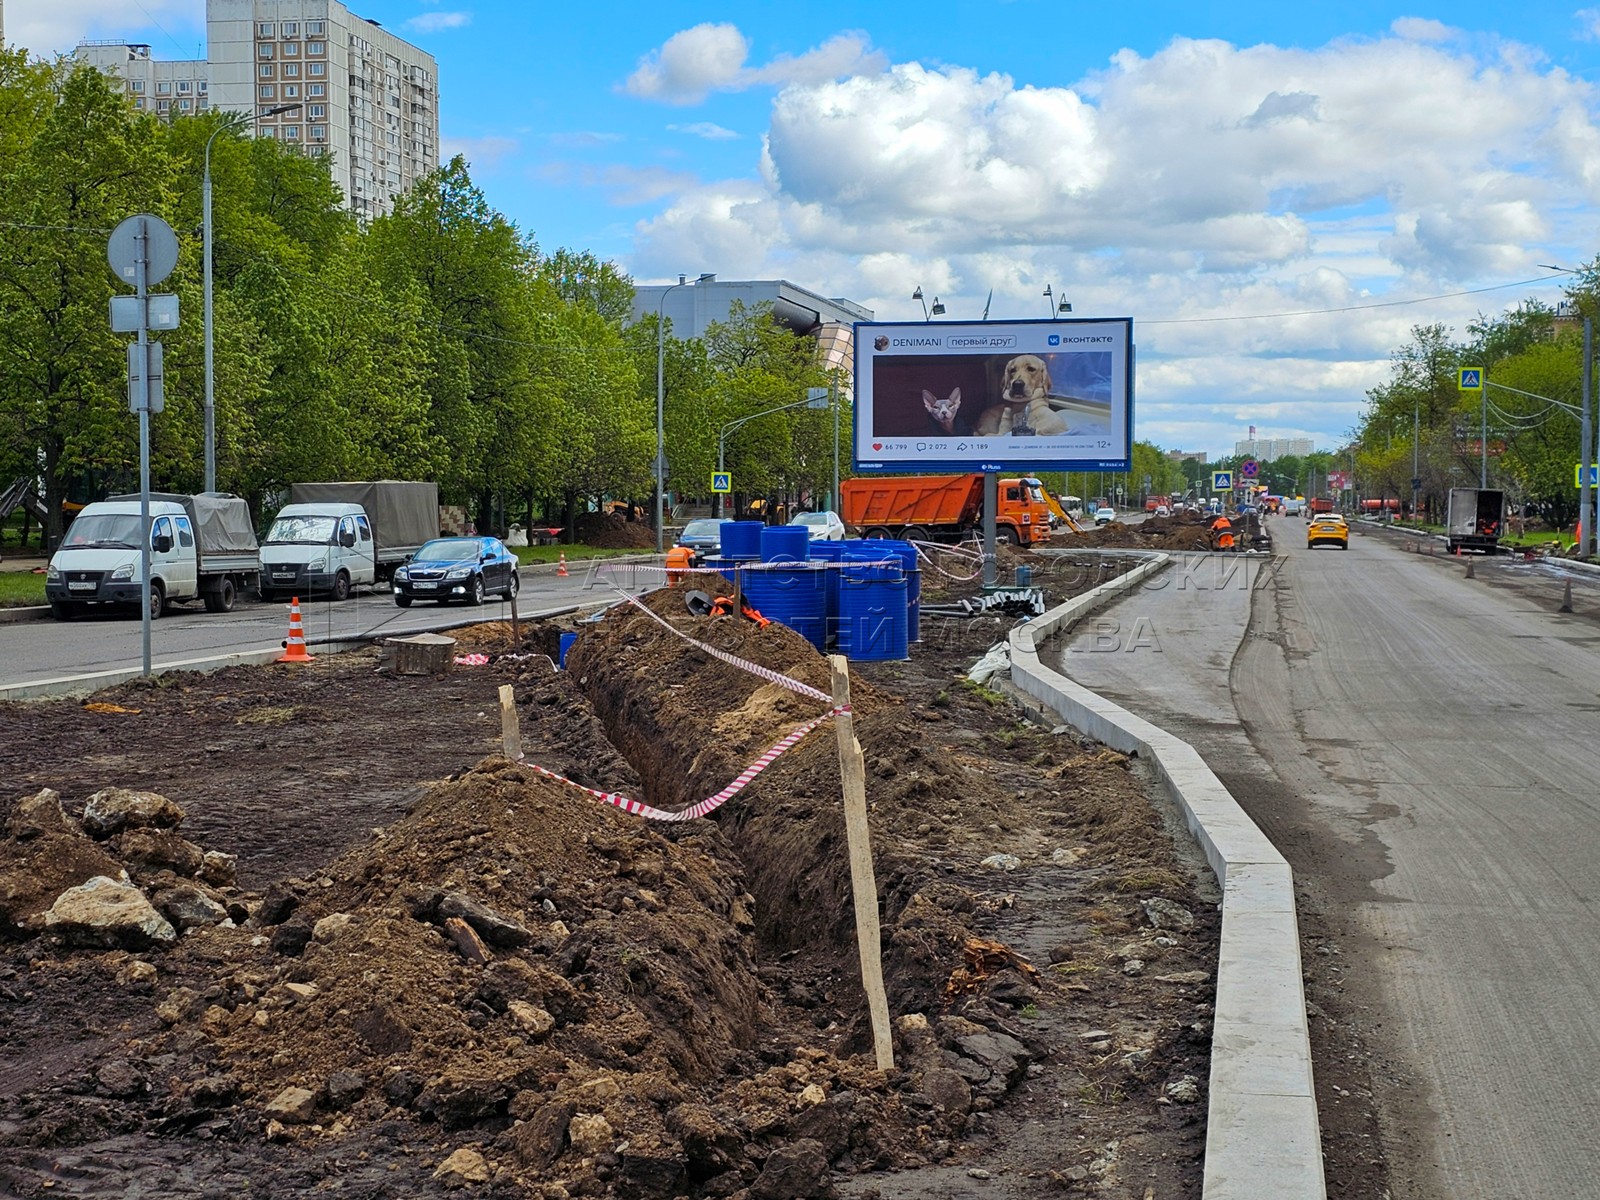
[{"x": 943, "y": 508}]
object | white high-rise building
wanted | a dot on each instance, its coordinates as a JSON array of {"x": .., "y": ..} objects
[
  {"x": 367, "y": 99},
  {"x": 1271, "y": 449}
]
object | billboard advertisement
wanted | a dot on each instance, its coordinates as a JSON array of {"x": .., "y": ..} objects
[{"x": 994, "y": 395}]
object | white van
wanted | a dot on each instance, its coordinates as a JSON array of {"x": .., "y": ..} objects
[{"x": 311, "y": 548}]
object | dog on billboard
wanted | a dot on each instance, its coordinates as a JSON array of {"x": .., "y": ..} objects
[{"x": 1024, "y": 406}]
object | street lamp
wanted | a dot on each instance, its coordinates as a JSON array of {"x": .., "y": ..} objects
[
  {"x": 1589, "y": 451},
  {"x": 661, "y": 408},
  {"x": 928, "y": 313},
  {"x": 1064, "y": 307},
  {"x": 722, "y": 434},
  {"x": 205, "y": 202}
]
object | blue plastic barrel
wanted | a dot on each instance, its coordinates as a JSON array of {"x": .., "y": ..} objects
[
  {"x": 829, "y": 553},
  {"x": 872, "y": 611},
  {"x": 785, "y": 543},
  {"x": 906, "y": 554},
  {"x": 741, "y": 540},
  {"x": 566, "y": 644},
  {"x": 795, "y": 596},
  {"x": 1024, "y": 576}
]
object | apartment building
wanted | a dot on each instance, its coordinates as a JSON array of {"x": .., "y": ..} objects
[
  {"x": 1271, "y": 449},
  {"x": 362, "y": 96}
]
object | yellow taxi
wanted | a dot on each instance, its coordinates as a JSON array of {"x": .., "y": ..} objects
[{"x": 1328, "y": 529}]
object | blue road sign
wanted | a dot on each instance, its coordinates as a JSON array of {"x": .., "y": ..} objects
[
  {"x": 1222, "y": 481},
  {"x": 722, "y": 481},
  {"x": 1470, "y": 379}
]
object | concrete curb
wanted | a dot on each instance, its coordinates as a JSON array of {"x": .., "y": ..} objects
[
  {"x": 31, "y": 612},
  {"x": 67, "y": 686},
  {"x": 1263, "y": 1137}
]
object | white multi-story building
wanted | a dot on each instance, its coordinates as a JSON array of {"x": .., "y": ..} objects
[
  {"x": 362, "y": 96},
  {"x": 1271, "y": 449}
]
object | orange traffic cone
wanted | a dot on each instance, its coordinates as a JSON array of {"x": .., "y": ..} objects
[
  {"x": 295, "y": 648},
  {"x": 561, "y": 568}
]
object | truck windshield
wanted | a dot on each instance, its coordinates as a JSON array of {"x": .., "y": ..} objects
[
  {"x": 1036, "y": 494},
  {"x": 318, "y": 531},
  {"x": 104, "y": 529}
]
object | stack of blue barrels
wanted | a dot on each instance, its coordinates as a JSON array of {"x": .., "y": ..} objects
[{"x": 868, "y": 607}]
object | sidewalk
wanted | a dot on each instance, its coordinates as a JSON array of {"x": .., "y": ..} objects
[{"x": 13, "y": 563}]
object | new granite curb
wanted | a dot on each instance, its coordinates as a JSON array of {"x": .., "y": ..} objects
[{"x": 1263, "y": 1137}]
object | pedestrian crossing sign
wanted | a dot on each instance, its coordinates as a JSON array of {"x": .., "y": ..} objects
[
  {"x": 1471, "y": 379},
  {"x": 722, "y": 481},
  {"x": 1222, "y": 481}
]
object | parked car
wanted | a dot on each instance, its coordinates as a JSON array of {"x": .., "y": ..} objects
[
  {"x": 1163, "y": 511},
  {"x": 702, "y": 535},
  {"x": 1104, "y": 515},
  {"x": 822, "y": 526},
  {"x": 464, "y": 569}
]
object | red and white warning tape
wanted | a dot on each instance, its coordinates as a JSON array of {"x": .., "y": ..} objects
[
  {"x": 776, "y": 750},
  {"x": 710, "y": 803}
]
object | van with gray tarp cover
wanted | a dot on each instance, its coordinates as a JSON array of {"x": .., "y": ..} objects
[
  {"x": 332, "y": 537},
  {"x": 200, "y": 546}
]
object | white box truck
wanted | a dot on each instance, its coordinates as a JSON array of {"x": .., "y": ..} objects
[
  {"x": 333, "y": 537},
  {"x": 1475, "y": 519},
  {"x": 201, "y": 546}
]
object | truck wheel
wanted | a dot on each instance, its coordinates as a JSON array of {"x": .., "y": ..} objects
[
  {"x": 878, "y": 531},
  {"x": 402, "y": 601},
  {"x": 63, "y": 610},
  {"x": 1005, "y": 535},
  {"x": 341, "y": 587},
  {"x": 221, "y": 598},
  {"x": 158, "y": 600},
  {"x": 914, "y": 533},
  {"x": 475, "y": 594}
]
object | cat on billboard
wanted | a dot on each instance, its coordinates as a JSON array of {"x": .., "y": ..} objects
[{"x": 1042, "y": 394}]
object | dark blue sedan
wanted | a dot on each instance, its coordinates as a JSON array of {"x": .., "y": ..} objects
[{"x": 464, "y": 569}]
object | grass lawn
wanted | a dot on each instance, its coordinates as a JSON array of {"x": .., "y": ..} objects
[
  {"x": 550, "y": 554},
  {"x": 20, "y": 588}
]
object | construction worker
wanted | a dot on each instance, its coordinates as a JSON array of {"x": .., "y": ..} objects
[
  {"x": 1221, "y": 534},
  {"x": 681, "y": 558}
]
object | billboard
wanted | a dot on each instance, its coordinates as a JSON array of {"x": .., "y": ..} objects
[{"x": 994, "y": 395}]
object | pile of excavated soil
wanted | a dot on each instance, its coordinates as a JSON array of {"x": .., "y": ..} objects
[
  {"x": 465, "y": 974},
  {"x": 613, "y": 531}
]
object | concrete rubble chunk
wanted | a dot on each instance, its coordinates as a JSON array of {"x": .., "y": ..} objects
[
  {"x": 219, "y": 869},
  {"x": 106, "y": 914},
  {"x": 1164, "y": 914},
  {"x": 330, "y": 927},
  {"x": 187, "y": 907},
  {"x": 465, "y": 1165},
  {"x": 798, "y": 1171},
  {"x": 534, "y": 1022},
  {"x": 292, "y": 1106},
  {"x": 151, "y": 850},
  {"x": 114, "y": 808},
  {"x": 590, "y": 1134},
  {"x": 492, "y": 927},
  {"x": 39, "y": 814}
]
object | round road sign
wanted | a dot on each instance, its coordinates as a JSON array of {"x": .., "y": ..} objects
[{"x": 160, "y": 249}]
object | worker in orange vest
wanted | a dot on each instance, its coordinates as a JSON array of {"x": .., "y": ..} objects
[
  {"x": 681, "y": 558},
  {"x": 1222, "y": 534}
]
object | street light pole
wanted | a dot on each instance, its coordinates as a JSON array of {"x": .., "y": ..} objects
[
  {"x": 661, "y": 406},
  {"x": 205, "y": 206}
]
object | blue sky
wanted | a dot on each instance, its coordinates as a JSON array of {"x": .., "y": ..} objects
[{"x": 1201, "y": 168}]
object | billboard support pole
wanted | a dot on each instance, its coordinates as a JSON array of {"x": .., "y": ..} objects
[{"x": 991, "y": 501}]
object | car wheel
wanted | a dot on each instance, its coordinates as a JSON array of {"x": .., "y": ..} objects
[
  {"x": 221, "y": 598},
  {"x": 341, "y": 587},
  {"x": 514, "y": 586},
  {"x": 401, "y": 600},
  {"x": 267, "y": 594},
  {"x": 475, "y": 594},
  {"x": 158, "y": 601},
  {"x": 61, "y": 610}
]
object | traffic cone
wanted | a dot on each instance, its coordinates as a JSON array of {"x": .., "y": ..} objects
[
  {"x": 1471, "y": 574},
  {"x": 1566, "y": 598},
  {"x": 295, "y": 648},
  {"x": 561, "y": 567}
]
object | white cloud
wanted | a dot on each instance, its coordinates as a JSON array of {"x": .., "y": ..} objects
[
  {"x": 1206, "y": 180},
  {"x": 58, "y": 26},
  {"x": 1589, "y": 23},
  {"x": 434, "y": 22},
  {"x": 707, "y": 58},
  {"x": 482, "y": 153},
  {"x": 1422, "y": 29},
  {"x": 708, "y": 130}
]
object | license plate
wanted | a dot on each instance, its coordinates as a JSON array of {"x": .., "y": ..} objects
[
  {"x": 283, "y": 575},
  {"x": 81, "y": 587},
  {"x": 421, "y": 587}
]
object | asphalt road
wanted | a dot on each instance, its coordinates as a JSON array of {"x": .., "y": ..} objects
[
  {"x": 1424, "y": 749},
  {"x": 48, "y": 649}
]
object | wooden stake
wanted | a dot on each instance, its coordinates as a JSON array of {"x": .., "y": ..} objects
[
  {"x": 510, "y": 733},
  {"x": 853, "y": 773},
  {"x": 516, "y": 625}
]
